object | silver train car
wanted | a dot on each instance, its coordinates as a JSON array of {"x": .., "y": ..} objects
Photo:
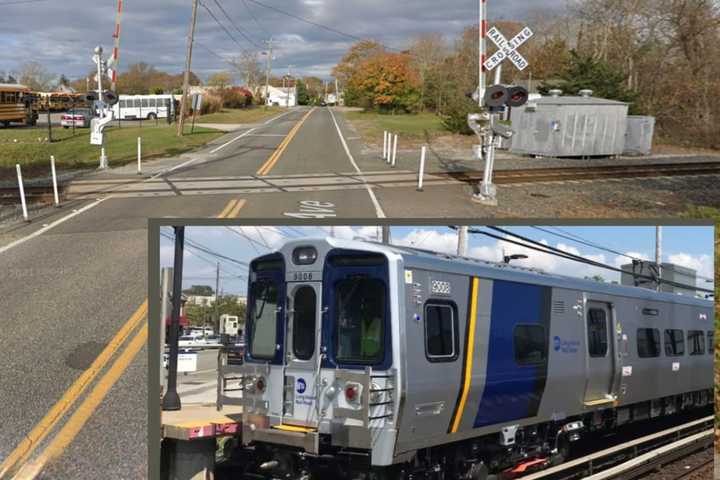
[{"x": 373, "y": 361}]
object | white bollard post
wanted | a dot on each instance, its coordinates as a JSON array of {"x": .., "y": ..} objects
[
  {"x": 394, "y": 155},
  {"x": 388, "y": 154},
  {"x": 384, "y": 144},
  {"x": 22, "y": 192},
  {"x": 54, "y": 180},
  {"x": 421, "y": 172},
  {"x": 139, "y": 156}
]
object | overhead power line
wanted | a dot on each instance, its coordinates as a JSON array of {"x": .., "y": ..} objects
[
  {"x": 316, "y": 24},
  {"x": 20, "y": 2},
  {"x": 577, "y": 258},
  {"x": 256, "y": 45},
  {"x": 252, "y": 15},
  {"x": 222, "y": 26},
  {"x": 583, "y": 241}
]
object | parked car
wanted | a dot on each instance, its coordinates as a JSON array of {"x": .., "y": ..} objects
[
  {"x": 80, "y": 117},
  {"x": 235, "y": 354}
]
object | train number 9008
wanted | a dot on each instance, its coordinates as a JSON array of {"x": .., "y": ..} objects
[{"x": 439, "y": 287}]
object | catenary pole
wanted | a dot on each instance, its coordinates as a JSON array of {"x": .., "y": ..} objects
[
  {"x": 462, "y": 241},
  {"x": 188, "y": 63}
]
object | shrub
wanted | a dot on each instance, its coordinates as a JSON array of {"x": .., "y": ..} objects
[{"x": 455, "y": 112}]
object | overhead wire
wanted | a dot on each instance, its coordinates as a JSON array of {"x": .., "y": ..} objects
[
  {"x": 252, "y": 15},
  {"x": 245, "y": 36},
  {"x": 232, "y": 37},
  {"x": 583, "y": 241},
  {"x": 319, "y": 25},
  {"x": 534, "y": 244}
]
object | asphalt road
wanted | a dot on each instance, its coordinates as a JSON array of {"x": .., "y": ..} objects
[{"x": 79, "y": 273}]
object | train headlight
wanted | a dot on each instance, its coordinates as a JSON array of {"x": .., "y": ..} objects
[
  {"x": 260, "y": 384},
  {"x": 352, "y": 392},
  {"x": 304, "y": 255}
]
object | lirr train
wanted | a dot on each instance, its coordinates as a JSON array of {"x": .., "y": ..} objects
[{"x": 370, "y": 361}]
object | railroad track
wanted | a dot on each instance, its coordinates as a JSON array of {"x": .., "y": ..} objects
[
  {"x": 637, "y": 457},
  {"x": 383, "y": 179},
  {"x": 534, "y": 175}
]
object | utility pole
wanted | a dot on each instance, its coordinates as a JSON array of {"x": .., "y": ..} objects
[
  {"x": 325, "y": 98},
  {"x": 287, "y": 93},
  {"x": 462, "y": 241},
  {"x": 171, "y": 399},
  {"x": 386, "y": 234},
  {"x": 188, "y": 62},
  {"x": 167, "y": 275},
  {"x": 217, "y": 300},
  {"x": 267, "y": 72},
  {"x": 658, "y": 255},
  {"x": 337, "y": 94}
]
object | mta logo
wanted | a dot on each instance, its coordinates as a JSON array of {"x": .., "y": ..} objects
[
  {"x": 301, "y": 385},
  {"x": 557, "y": 343}
]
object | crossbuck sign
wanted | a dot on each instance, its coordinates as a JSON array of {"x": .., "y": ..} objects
[{"x": 507, "y": 49}]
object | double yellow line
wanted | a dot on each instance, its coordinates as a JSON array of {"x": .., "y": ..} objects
[
  {"x": 18, "y": 459},
  {"x": 232, "y": 209},
  {"x": 270, "y": 163}
]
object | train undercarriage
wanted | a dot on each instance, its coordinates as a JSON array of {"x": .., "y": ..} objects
[{"x": 504, "y": 455}]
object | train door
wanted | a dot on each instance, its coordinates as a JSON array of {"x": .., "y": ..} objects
[
  {"x": 600, "y": 352},
  {"x": 301, "y": 362}
]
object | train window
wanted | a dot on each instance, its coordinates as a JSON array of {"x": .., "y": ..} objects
[
  {"x": 303, "y": 333},
  {"x": 711, "y": 341},
  {"x": 696, "y": 342},
  {"x": 597, "y": 332},
  {"x": 360, "y": 320},
  {"x": 440, "y": 332},
  {"x": 263, "y": 318},
  {"x": 530, "y": 345},
  {"x": 648, "y": 342},
  {"x": 674, "y": 343}
]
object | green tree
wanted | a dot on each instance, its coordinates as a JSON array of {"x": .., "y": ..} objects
[
  {"x": 303, "y": 96},
  {"x": 582, "y": 71},
  {"x": 201, "y": 290}
]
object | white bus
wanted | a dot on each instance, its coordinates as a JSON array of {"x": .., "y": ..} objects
[{"x": 147, "y": 107}]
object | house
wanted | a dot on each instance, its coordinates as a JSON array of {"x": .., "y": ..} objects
[
  {"x": 280, "y": 96},
  {"x": 201, "y": 300}
]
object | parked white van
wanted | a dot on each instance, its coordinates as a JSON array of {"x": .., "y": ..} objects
[{"x": 148, "y": 107}]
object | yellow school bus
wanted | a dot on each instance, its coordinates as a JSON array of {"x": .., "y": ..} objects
[{"x": 17, "y": 105}]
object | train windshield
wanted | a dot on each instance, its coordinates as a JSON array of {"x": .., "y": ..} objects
[
  {"x": 360, "y": 320},
  {"x": 264, "y": 295}
]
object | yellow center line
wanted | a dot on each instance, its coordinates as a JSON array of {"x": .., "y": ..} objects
[
  {"x": 227, "y": 208},
  {"x": 78, "y": 419},
  {"x": 28, "y": 445},
  {"x": 41, "y": 430},
  {"x": 270, "y": 163},
  {"x": 234, "y": 212}
]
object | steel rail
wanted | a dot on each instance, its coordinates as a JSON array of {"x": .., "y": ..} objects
[{"x": 641, "y": 455}]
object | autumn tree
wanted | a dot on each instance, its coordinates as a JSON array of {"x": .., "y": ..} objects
[
  {"x": 428, "y": 52},
  {"x": 35, "y": 76},
  {"x": 386, "y": 81}
]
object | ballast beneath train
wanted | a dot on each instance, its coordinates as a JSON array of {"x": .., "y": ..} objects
[{"x": 374, "y": 361}]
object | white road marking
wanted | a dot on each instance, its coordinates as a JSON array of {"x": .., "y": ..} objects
[
  {"x": 267, "y": 135},
  {"x": 231, "y": 141},
  {"x": 54, "y": 224},
  {"x": 248, "y": 132},
  {"x": 378, "y": 209}
]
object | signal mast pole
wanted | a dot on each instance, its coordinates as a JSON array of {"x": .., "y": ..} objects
[
  {"x": 482, "y": 32},
  {"x": 116, "y": 48}
]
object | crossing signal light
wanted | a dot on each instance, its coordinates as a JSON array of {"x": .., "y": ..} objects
[
  {"x": 499, "y": 96},
  {"x": 91, "y": 97},
  {"x": 110, "y": 97}
]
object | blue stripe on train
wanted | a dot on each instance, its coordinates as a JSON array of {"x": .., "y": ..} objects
[{"x": 513, "y": 391}]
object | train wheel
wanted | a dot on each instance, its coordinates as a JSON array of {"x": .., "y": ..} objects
[{"x": 478, "y": 471}]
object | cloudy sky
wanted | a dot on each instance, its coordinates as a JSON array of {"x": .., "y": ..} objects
[
  {"x": 687, "y": 246},
  {"x": 61, "y": 34}
]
